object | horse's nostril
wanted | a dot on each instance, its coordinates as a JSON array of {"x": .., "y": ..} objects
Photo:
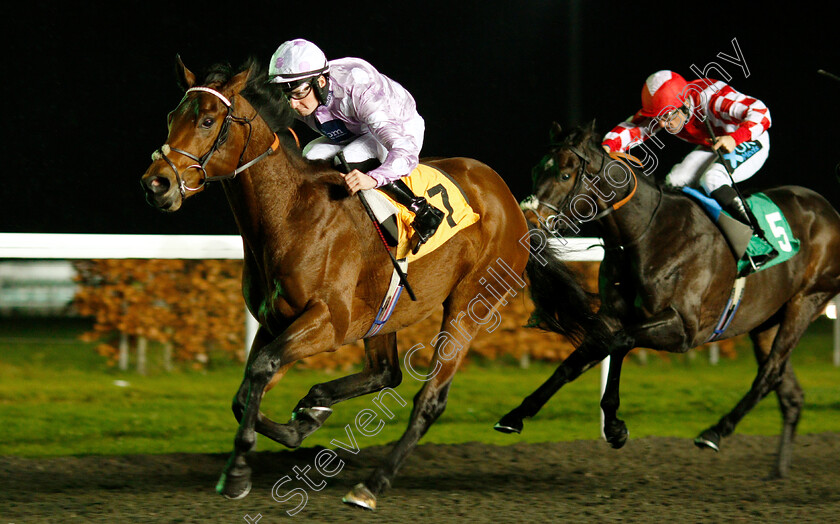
[{"x": 157, "y": 185}]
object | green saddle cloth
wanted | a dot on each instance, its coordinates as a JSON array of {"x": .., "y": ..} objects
[{"x": 776, "y": 228}]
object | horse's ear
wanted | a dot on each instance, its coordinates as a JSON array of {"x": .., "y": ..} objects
[
  {"x": 184, "y": 77},
  {"x": 555, "y": 133},
  {"x": 238, "y": 82}
]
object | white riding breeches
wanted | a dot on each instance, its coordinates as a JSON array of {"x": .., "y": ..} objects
[
  {"x": 362, "y": 148},
  {"x": 702, "y": 167}
]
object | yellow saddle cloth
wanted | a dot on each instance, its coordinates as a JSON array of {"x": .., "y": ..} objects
[{"x": 441, "y": 192}]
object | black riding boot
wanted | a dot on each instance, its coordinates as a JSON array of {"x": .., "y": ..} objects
[
  {"x": 730, "y": 202},
  {"x": 427, "y": 217}
]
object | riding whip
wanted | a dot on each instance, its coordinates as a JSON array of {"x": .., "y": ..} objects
[
  {"x": 750, "y": 216},
  {"x": 400, "y": 272}
]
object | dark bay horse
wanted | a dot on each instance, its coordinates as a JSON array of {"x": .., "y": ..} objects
[
  {"x": 315, "y": 270},
  {"x": 666, "y": 278}
]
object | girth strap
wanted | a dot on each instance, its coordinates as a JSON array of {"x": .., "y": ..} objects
[
  {"x": 735, "y": 298},
  {"x": 389, "y": 302}
]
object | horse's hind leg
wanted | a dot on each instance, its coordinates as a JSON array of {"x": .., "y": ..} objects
[
  {"x": 774, "y": 373},
  {"x": 382, "y": 369},
  {"x": 791, "y": 398},
  {"x": 451, "y": 346},
  {"x": 789, "y": 393}
]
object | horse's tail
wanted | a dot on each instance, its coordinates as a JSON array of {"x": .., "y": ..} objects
[{"x": 562, "y": 304}]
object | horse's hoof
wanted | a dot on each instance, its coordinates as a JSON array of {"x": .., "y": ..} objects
[
  {"x": 506, "y": 429},
  {"x": 361, "y": 497},
  {"x": 709, "y": 439},
  {"x": 617, "y": 435},
  {"x": 509, "y": 424},
  {"x": 234, "y": 487}
]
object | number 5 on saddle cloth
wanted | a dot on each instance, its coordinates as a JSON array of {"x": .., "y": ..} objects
[{"x": 770, "y": 219}]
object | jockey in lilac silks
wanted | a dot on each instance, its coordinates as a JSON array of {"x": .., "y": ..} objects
[{"x": 359, "y": 111}]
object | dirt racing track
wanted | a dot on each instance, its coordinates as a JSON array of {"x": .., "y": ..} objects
[{"x": 650, "y": 480}]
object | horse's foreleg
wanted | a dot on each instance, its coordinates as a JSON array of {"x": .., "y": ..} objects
[
  {"x": 587, "y": 355},
  {"x": 615, "y": 430},
  {"x": 666, "y": 326},
  {"x": 664, "y": 331},
  {"x": 283, "y": 433},
  {"x": 309, "y": 334},
  {"x": 261, "y": 339},
  {"x": 382, "y": 370}
]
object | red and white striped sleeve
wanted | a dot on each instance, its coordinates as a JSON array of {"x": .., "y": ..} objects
[
  {"x": 629, "y": 133},
  {"x": 744, "y": 118}
]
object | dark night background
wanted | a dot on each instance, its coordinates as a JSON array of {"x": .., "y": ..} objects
[{"x": 88, "y": 87}]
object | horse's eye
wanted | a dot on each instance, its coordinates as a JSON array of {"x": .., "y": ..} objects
[
  {"x": 566, "y": 176},
  {"x": 207, "y": 123}
]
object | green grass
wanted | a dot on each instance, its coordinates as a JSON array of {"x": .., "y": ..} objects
[{"x": 57, "y": 397}]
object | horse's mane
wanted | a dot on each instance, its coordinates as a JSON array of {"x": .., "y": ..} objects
[
  {"x": 269, "y": 103},
  {"x": 272, "y": 108}
]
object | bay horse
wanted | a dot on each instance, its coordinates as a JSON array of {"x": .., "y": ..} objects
[
  {"x": 667, "y": 275},
  {"x": 315, "y": 270}
]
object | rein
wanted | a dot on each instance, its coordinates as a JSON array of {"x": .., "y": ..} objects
[{"x": 221, "y": 138}]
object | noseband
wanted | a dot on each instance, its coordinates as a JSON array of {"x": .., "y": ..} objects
[{"x": 202, "y": 161}]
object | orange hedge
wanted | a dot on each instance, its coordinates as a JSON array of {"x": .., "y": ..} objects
[
  {"x": 197, "y": 307},
  {"x": 194, "y": 305}
]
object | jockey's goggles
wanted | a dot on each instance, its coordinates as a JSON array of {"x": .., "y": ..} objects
[
  {"x": 667, "y": 117},
  {"x": 298, "y": 91}
]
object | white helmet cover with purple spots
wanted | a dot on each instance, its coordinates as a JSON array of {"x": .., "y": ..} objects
[{"x": 297, "y": 60}]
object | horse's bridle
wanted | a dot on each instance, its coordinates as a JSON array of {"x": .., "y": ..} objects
[
  {"x": 221, "y": 138},
  {"x": 532, "y": 203}
]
